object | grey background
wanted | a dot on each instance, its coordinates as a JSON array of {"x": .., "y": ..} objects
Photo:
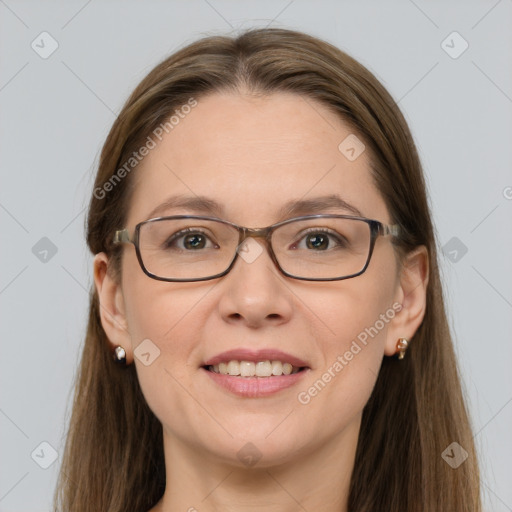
[{"x": 56, "y": 112}]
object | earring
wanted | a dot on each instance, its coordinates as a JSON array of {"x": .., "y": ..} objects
[
  {"x": 119, "y": 355},
  {"x": 401, "y": 346}
]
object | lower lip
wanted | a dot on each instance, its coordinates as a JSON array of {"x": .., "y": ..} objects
[{"x": 255, "y": 387}]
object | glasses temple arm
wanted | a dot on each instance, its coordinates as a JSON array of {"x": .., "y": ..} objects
[
  {"x": 393, "y": 230},
  {"x": 121, "y": 236}
]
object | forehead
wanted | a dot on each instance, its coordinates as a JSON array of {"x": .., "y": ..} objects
[{"x": 253, "y": 157}]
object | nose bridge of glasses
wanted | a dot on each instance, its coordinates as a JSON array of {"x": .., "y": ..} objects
[
  {"x": 263, "y": 233},
  {"x": 254, "y": 233}
]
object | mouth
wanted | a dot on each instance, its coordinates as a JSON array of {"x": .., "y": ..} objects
[{"x": 253, "y": 374}]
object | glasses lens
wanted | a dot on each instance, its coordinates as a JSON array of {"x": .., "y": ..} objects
[
  {"x": 322, "y": 248},
  {"x": 187, "y": 248}
]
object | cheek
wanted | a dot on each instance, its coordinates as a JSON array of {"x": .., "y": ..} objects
[
  {"x": 352, "y": 313},
  {"x": 355, "y": 316},
  {"x": 156, "y": 309},
  {"x": 162, "y": 320},
  {"x": 169, "y": 317}
]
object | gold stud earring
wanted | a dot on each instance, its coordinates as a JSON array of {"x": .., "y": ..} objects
[{"x": 401, "y": 346}]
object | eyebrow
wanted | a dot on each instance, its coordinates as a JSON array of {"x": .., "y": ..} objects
[{"x": 206, "y": 205}]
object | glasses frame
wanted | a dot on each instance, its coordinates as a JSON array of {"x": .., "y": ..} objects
[{"x": 377, "y": 229}]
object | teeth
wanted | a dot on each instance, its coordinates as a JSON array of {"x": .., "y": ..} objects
[
  {"x": 233, "y": 368},
  {"x": 264, "y": 369},
  {"x": 251, "y": 369},
  {"x": 247, "y": 369}
]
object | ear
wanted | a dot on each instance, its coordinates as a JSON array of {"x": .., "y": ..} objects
[
  {"x": 112, "y": 307},
  {"x": 411, "y": 294}
]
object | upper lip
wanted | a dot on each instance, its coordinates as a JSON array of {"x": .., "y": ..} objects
[{"x": 245, "y": 354}]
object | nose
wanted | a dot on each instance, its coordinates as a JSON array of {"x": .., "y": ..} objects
[{"x": 254, "y": 292}]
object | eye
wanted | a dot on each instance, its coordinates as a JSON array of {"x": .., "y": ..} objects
[
  {"x": 189, "y": 239},
  {"x": 321, "y": 239}
]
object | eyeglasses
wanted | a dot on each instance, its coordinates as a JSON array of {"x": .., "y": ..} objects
[{"x": 311, "y": 248}]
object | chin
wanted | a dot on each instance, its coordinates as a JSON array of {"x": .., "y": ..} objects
[{"x": 260, "y": 447}]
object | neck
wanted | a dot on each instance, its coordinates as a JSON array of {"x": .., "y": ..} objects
[{"x": 317, "y": 478}]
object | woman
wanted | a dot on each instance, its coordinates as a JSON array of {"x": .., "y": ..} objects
[{"x": 304, "y": 365}]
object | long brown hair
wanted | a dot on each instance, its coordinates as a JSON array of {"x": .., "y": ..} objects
[{"x": 113, "y": 458}]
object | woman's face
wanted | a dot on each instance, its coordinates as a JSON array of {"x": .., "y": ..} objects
[{"x": 252, "y": 156}]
